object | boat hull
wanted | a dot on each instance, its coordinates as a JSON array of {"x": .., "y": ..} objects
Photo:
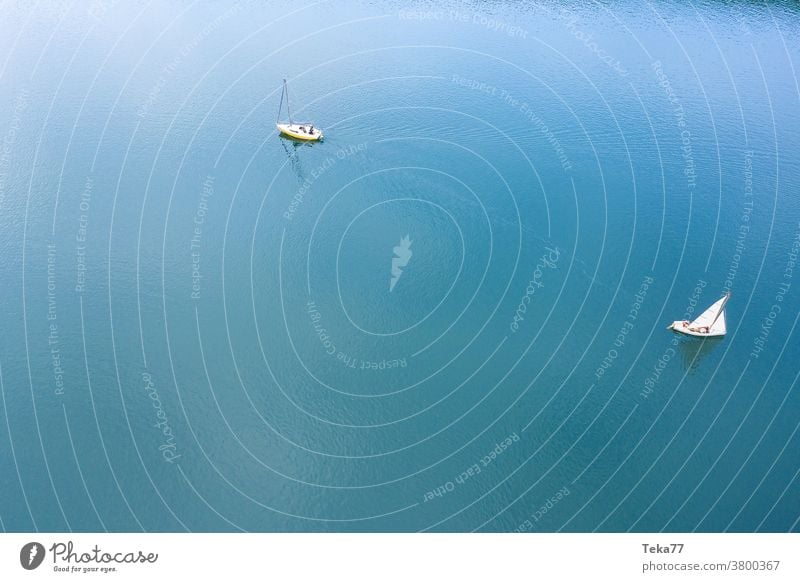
[
  {"x": 678, "y": 327},
  {"x": 299, "y": 131}
]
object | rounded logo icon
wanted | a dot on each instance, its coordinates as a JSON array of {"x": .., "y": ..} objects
[{"x": 31, "y": 555}]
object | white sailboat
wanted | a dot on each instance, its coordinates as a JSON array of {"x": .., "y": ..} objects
[{"x": 711, "y": 322}]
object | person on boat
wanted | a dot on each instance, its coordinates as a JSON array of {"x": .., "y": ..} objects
[
  {"x": 685, "y": 323},
  {"x": 311, "y": 130},
  {"x": 704, "y": 329}
]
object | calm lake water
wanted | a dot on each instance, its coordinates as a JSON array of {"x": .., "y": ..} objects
[{"x": 447, "y": 316}]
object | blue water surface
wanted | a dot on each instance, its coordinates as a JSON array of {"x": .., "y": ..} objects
[{"x": 450, "y": 315}]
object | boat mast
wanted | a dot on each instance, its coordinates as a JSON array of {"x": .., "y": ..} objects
[
  {"x": 280, "y": 105},
  {"x": 284, "y": 91},
  {"x": 288, "y": 110}
]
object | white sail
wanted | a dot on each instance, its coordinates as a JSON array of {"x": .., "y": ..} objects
[{"x": 713, "y": 318}]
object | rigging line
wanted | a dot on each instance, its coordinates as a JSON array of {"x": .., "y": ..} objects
[
  {"x": 288, "y": 108},
  {"x": 280, "y": 107}
]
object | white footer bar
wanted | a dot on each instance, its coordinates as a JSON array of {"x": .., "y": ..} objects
[{"x": 406, "y": 557}]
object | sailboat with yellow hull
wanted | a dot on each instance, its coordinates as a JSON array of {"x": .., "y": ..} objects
[{"x": 302, "y": 131}]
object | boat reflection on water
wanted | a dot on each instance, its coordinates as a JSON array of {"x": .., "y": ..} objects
[
  {"x": 693, "y": 352},
  {"x": 292, "y": 148}
]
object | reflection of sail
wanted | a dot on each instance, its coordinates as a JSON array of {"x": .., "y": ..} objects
[{"x": 694, "y": 352}]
